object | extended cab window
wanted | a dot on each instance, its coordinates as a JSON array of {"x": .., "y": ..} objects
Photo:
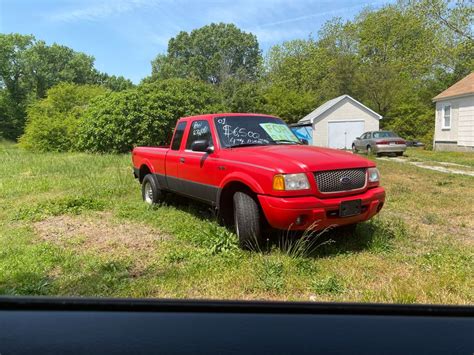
[
  {"x": 200, "y": 130},
  {"x": 178, "y": 136}
]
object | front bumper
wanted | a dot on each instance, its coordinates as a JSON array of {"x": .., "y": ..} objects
[
  {"x": 387, "y": 148},
  {"x": 317, "y": 214}
]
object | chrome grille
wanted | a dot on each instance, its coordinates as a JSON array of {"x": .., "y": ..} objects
[{"x": 340, "y": 180}]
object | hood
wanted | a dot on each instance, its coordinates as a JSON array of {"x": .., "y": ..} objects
[{"x": 297, "y": 158}]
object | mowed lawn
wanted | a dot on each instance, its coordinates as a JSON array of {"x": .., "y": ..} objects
[{"x": 75, "y": 225}]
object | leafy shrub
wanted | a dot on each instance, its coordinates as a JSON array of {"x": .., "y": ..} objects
[
  {"x": 52, "y": 122},
  {"x": 118, "y": 121}
]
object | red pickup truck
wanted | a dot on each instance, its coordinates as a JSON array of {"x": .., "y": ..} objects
[{"x": 257, "y": 173}]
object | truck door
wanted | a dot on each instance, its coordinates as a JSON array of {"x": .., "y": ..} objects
[
  {"x": 173, "y": 156},
  {"x": 198, "y": 170}
]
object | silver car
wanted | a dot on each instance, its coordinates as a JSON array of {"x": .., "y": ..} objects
[{"x": 379, "y": 142}]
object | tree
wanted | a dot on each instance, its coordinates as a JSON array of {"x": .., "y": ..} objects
[
  {"x": 50, "y": 65},
  {"x": 29, "y": 67},
  {"x": 213, "y": 53},
  {"x": 145, "y": 115},
  {"x": 112, "y": 82},
  {"x": 288, "y": 104},
  {"x": 456, "y": 18},
  {"x": 15, "y": 83},
  {"x": 53, "y": 121}
]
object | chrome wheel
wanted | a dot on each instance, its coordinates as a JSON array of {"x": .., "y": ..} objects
[{"x": 148, "y": 193}]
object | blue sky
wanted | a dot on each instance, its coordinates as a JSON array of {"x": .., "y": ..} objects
[{"x": 125, "y": 35}]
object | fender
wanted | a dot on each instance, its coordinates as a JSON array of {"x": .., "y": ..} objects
[
  {"x": 244, "y": 178},
  {"x": 148, "y": 164},
  {"x": 238, "y": 177},
  {"x": 142, "y": 162}
]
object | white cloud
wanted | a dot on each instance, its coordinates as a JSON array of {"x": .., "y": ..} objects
[
  {"x": 324, "y": 14},
  {"x": 270, "y": 36},
  {"x": 99, "y": 11}
]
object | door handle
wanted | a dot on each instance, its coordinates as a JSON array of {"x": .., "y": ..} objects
[{"x": 181, "y": 160}]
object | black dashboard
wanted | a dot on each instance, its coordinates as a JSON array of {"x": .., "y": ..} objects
[{"x": 122, "y": 326}]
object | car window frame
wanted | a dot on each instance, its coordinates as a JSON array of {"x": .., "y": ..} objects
[
  {"x": 177, "y": 129},
  {"x": 211, "y": 142}
]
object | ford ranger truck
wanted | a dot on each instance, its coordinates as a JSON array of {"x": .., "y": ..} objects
[{"x": 256, "y": 173}]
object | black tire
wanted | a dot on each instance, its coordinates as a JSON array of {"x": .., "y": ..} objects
[
  {"x": 354, "y": 149},
  {"x": 399, "y": 154},
  {"x": 151, "y": 192},
  {"x": 247, "y": 221},
  {"x": 369, "y": 150}
]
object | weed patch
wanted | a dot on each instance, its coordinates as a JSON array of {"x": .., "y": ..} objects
[
  {"x": 67, "y": 205},
  {"x": 379, "y": 235},
  {"x": 220, "y": 240},
  {"x": 270, "y": 275},
  {"x": 330, "y": 285}
]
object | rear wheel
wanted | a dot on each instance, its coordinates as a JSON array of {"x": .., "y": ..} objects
[
  {"x": 247, "y": 221},
  {"x": 151, "y": 192}
]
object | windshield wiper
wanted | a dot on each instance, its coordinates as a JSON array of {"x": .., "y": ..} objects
[
  {"x": 245, "y": 145},
  {"x": 285, "y": 141}
]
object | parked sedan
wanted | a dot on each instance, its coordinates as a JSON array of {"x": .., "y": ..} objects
[{"x": 379, "y": 142}]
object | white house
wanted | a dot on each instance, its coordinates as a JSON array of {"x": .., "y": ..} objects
[
  {"x": 338, "y": 122},
  {"x": 454, "y": 125}
]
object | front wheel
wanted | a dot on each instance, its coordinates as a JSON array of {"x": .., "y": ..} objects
[
  {"x": 399, "y": 154},
  {"x": 354, "y": 149},
  {"x": 369, "y": 150},
  {"x": 151, "y": 192},
  {"x": 247, "y": 221}
]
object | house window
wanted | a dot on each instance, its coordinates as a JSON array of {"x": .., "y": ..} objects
[{"x": 446, "y": 116}]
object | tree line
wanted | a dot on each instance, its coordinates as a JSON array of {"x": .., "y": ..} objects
[{"x": 393, "y": 59}]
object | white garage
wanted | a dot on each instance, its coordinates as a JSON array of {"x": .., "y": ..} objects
[{"x": 338, "y": 122}]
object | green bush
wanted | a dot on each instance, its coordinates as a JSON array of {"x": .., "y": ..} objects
[
  {"x": 146, "y": 115},
  {"x": 52, "y": 122}
]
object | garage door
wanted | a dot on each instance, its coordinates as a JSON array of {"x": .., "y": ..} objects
[{"x": 342, "y": 133}]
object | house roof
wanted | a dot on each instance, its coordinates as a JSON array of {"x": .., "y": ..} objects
[
  {"x": 463, "y": 87},
  {"x": 310, "y": 117}
]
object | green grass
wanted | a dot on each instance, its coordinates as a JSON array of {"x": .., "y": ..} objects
[{"x": 74, "y": 224}]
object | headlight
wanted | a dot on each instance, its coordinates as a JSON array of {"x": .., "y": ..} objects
[
  {"x": 282, "y": 182},
  {"x": 374, "y": 174}
]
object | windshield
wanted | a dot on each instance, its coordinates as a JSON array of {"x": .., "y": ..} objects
[
  {"x": 384, "y": 134},
  {"x": 253, "y": 130},
  {"x": 156, "y": 149}
]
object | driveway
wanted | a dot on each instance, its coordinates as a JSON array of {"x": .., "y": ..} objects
[{"x": 442, "y": 167}]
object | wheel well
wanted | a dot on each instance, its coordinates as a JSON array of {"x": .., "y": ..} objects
[
  {"x": 144, "y": 170},
  {"x": 226, "y": 207}
]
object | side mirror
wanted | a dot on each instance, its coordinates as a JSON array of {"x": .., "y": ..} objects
[
  {"x": 304, "y": 141},
  {"x": 202, "y": 146},
  {"x": 358, "y": 138}
]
